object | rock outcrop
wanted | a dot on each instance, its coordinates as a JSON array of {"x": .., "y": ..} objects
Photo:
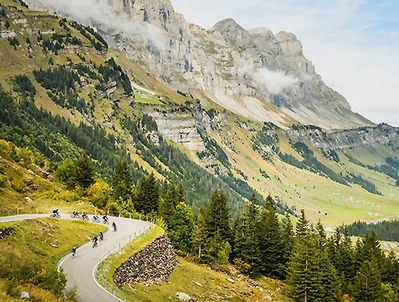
[
  {"x": 4, "y": 232},
  {"x": 154, "y": 263},
  {"x": 253, "y": 73}
]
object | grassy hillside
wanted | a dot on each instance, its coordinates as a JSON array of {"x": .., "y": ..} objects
[
  {"x": 187, "y": 275},
  {"x": 30, "y": 253}
]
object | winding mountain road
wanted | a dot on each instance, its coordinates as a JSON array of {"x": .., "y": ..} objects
[{"x": 80, "y": 270}]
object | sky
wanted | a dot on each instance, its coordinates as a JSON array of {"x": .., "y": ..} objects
[{"x": 354, "y": 44}]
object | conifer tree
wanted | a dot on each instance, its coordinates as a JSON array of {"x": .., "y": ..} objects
[
  {"x": 152, "y": 194},
  {"x": 330, "y": 289},
  {"x": 367, "y": 283},
  {"x": 390, "y": 271},
  {"x": 310, "y": 272},
  {"x": 303, "y": 225},
  {"x": 344, "y": 261},
  {"x": 270, "y": 240},
  {"x": 287, "y": 241},
  {"x": 84, "y": 172},
  {"x": 217, "y": 216},
  {"x": 251, "y": 253},
  {"x": 180, "y": 193},
  {"x": 166, "y": 205},
  {"x": 303, "y": 269},
  {"x": 140, "y": 195},
  {"x": 122, "y": 181},
  {"x": 240, "y": 234},
  {"x": 217, "y": 222},
  {"x": 147, "y": 195}
]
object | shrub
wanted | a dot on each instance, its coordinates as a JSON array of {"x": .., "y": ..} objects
[{"x": 68, "y": 196}]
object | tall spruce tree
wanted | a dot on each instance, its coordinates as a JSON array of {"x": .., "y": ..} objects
[
  {"x": 240, "y": 234},
  {"x": 344, "y": 260},
  {"x": 167, "y": 205},
  {"x": 217, "y": 216},
  {"x": 152, "y": 194},
  {"x": 287, "y": 241},
  {"x": 84, "y": 172},
  {"x": 367, "y": 283},
  {"x": 251, "y": 252},
  {"x": 270, "y": 240},
  {"x": 122, "y": 184},
  {"x": 303, "y": 269},
  {"x": 180, "y": 195},
  {"x": 147, "y": 195},
  {"x": 330, "y": 290},
  {"x": 302, "y": 227},
  {"x": 217, "y": 222}
]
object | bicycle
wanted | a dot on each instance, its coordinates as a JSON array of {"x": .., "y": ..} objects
[
  {"x": 105, "y": 221},
  {"x": 76, "y": 216},
  {"x": 55, "y": 215},
  {"x": 96, "y": 219},
  {"x": 85, "y": 217}
]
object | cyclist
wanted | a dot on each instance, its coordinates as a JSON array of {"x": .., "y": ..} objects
[
  {"x": 73, "y": 251},
  {"x": 101, "y": 236},
  {"x": 114, "y": 226},
  {"x": 84, "y": 216},
  {"x": 95, "y": 239},
  {"x": 96, "y": 218},
  {"x": 105, "y": 218},
  {"x": 55, "y": 213},
  {"x": 75, "y": 213}
]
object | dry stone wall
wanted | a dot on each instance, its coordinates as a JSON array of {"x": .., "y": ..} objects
[{"x": 154, "y": 263}]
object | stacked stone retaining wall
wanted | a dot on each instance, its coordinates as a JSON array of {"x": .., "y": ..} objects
[{"x": 154, "y": 263}]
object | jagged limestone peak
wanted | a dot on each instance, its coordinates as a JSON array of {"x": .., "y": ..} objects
[
  {"x": 233, "y": 33},
  {"x": 290, "y": 45}
]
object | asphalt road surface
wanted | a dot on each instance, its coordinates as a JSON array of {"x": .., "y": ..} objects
[{"x": 80, "y": 269}]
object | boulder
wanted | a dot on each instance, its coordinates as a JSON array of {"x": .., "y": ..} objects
[
  {"x": 183, "y": 297},
  {"x": 25, "y": 296}
]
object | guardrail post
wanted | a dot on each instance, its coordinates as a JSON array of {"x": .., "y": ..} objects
[{"x": 17, "y": 211}]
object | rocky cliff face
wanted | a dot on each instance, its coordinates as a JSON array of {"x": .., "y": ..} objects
[
  {"x": 253, "y": 73},
  {"x": 364, "y": 137}
]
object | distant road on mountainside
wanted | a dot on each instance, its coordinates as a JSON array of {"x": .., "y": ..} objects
[{"x": 80, "y": 270}]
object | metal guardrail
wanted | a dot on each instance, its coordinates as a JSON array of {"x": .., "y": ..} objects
[{"x": 123, "y": 214}]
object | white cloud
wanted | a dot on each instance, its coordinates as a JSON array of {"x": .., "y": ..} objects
[
  {"x": 93, "y": 12},
  {"x": 275, "y": 81}
]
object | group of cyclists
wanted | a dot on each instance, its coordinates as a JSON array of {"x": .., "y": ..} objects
[{"x": 99, "y": 237}]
